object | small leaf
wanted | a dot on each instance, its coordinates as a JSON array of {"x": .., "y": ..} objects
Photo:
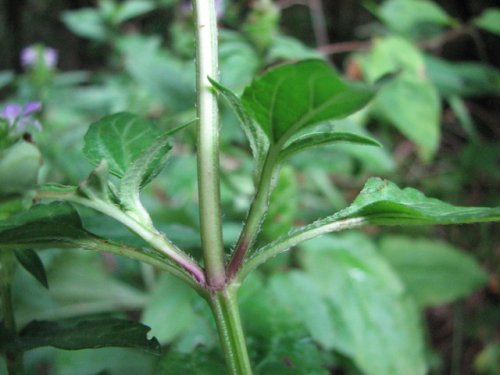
[
  {"x": 433, "y": 271},
  {"x": 408, "y": 16},
  {"x": 291, "y": 97},
  {"x": 85, "y": 22},
  {"x": 120, "y": 139},
  {"x": 255, "y": 135},
  {"x": 131, "y": 9},
  {"x": 80, "y": 333},
  {"x": 323, "y": 139},
  {"x": 31, "y": 262},
  {"x": 489, "y": 20}
]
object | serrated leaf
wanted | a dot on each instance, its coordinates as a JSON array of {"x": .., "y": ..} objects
[
  {"x": 433, "y": 271},
  {"x": 291, "y": 97},
  {"x": 80, "y": 333},
  {"x": 324, "y": 139},
  {"x": 120, "y": 139},
  {"x": 255, "y": 135},
  {"x": 31, "y": 262},
  {"x": 376, "y": 323},
  {"x": 383, "y": 202},
  {"x": 489, "y": 20}
]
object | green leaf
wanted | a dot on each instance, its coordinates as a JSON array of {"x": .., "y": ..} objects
[
  {"x": 323, "y": 139},
  {"x": 199, "y": 362},
  {"x": 80, "y": 333},
  {"x": 489, "y": 20},
  {"x": 85, "y": 22},
  {"x": 131, "y": 9},
  {"x": 54, "y": 222},
  {"x": 256, "y": 137},
  {"x": 168, "y": 311},
  {"x": 382, "y": 202},
  {"x": 291, "y": 356},
  {"x": 433, "y": 271},
  {"x": 19, "y": 166},
  {"x": 291, "y": 97},
  {"x": 413, "y": 106},
  {"x": 409, "y": 16},
  {"x": 284, "y": 48},
  {"x": 31, "y": 262},
  {"x": 120, "y": 139},
  {"x": 375, "y": 322}
]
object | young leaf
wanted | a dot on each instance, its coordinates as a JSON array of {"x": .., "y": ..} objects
[
  {"x": 489, "y": 20},
  {"x": 291, "y": 97},
  {"x": 382, "y": 202},
  {"x": 323, "y": 139},
  {"x": 31, "y": 262},
  {"x": 80, "y": 333},
  {"x": 145, "y": 168},
  {"x": 434, "y": 272},
  {"x": 255, "y": 135},
  {"x": 119, "y": 139}
]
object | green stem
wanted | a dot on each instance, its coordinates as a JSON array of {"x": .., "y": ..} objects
[
  {"x": 227, "y": 317},
  {"x": 256, "y": 213},
  {"x": 208, "y": 143}
]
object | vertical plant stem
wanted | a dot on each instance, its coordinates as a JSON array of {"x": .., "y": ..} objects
[
  {"x": 227, "y": 317},
  {"x": 208, "y": 143}
]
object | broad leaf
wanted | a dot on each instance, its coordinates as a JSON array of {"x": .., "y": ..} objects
[
  {"x": 255, "y": 135},
  {"x": 371, "y": 318},
  {"x": 31, "y": 262},
  {"x": 291, "y": 97},
  {"x": 82, "y": 334},
  {"x": 323, "y": 139},
  {"x": 433, "y": 271},
  {"x": 120, "y": 139},
  {"x": 409, "y": 16},
  {"x": 382, "y": 202},
  {"x": 489, "y": 20},
  {"x": 96, "y": 185}
]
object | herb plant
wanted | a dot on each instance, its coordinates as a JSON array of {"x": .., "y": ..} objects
[{"x": 280, "y": 112}]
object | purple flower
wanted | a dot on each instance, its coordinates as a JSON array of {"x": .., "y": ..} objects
[
  {"x": 31, "y": 54},
  {"x": 21, "y": 118}
]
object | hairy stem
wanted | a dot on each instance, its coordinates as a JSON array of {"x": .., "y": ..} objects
[
  {"x": 208, "y": 143},
  {"x": 227, "y": 317},
  {"x": 300, "y": 235},
  {"x": 256, "y": 213}
]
